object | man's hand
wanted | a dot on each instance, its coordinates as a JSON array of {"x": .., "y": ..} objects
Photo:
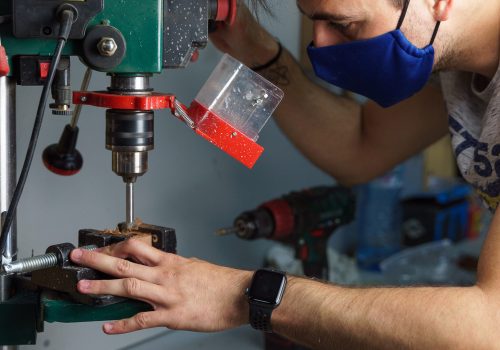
[
  {"x": 186, "y": 294},
  {"x": 245, "y": 40}
]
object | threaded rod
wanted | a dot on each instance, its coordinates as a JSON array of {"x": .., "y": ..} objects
[{"x": 35, "y": 263}]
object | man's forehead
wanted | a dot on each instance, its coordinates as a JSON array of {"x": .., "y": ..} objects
[
  {"x": 338, "y": 8},
  {"x": 345, "y": 10}
]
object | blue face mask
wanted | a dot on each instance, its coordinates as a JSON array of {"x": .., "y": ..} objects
[{"x": 387, "y": 69}]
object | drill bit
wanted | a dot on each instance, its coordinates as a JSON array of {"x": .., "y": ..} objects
[
  {"x": 226, "y": 231},
  {"x": 130, "y": 205}
]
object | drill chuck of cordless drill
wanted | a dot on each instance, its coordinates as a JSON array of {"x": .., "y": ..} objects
[{"x": 316, "y": 211}]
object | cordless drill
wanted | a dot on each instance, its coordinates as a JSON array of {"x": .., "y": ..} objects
[{"x": 304, "y": 219}]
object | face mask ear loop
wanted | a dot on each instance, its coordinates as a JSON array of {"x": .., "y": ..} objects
[
  {"x": 436, "y": 29},
  {"x": 403, "y": 14}
]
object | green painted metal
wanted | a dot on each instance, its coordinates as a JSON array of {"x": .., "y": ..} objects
[
  {"x": 18, "y": 320},
  {"x": 63, "y": 311},
  {"x": 140, "y": 22},
  {"x": 20, "y": 316}
]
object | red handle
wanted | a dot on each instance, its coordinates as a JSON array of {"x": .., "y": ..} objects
[{"x": 4, "y": 62}]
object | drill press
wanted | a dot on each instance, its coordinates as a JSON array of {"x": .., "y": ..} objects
[{"x": 39, "y": 37}]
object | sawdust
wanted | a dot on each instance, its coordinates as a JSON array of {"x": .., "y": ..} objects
[{"x": 132, "y": 233}]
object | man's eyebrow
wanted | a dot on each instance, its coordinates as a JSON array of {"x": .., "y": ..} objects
[{"x": 319, "y": 16}]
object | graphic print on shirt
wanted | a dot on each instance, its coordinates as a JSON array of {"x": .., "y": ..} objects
[
  {"x": 479, "y": 162},
  {"x": 474, "y": 123}
]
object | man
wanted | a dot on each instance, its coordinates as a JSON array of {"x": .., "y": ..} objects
[{"x": 354, "y": 144}]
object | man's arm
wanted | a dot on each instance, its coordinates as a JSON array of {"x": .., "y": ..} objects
[
  {"x": 331, "y": 317},
  {"x": 188, "y": 294},
  {"x": 351, "y": 142},
  {"x": 397, "y": 318}
]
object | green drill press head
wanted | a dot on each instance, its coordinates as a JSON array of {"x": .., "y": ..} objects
[{"x": 114, "y": 36}]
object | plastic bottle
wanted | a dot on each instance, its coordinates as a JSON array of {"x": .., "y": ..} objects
[{"x": 379, "y": 219}]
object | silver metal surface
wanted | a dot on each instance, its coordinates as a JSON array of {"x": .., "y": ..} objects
[
  {"x": 30, "y": 264},
  {"x": 5, "y": 281},
  {"x": 35, "y": 263},
  {"x": 107, "y": 47},
  {"x": 180, "y": 112},
  {"x": 7, "y": 169},
  {"x": 130, "y": 165},
  {"x": 129, "y": 149},
  {"x": 84, "y": 87},
  {"x": 62, "y": 110},
  {"x": 129, "y": 84},
  {"x": 130, "y": 205},
  {"x": 8, "y": 153}
]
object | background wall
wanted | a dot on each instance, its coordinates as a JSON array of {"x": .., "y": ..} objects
[{"x": 191, "y": 185}]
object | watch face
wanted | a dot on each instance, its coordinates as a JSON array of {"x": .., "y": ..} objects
[{"x": 267, "y": 287}]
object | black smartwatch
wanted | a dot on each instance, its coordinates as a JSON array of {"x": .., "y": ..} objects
[{"x": 264, "y": 295}]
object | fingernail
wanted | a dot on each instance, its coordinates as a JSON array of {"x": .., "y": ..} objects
[
  {"x": 84, "y": 285},
  {"x": 108, "y": 327},
  {"x": 77, "y": 254}
]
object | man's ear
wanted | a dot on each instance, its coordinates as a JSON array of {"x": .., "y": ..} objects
[{"x": 442, "y": 9}]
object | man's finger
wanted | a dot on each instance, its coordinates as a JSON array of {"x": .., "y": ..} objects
[
  {"x": 135, "y": 249},
  {"x": 140, "y": 321},
  {"x": 114, "y": 266},
  {"x": 129, "y": 288}
]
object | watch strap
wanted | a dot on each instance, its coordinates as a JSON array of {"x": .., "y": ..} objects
[{"x": 260, "y": 317}]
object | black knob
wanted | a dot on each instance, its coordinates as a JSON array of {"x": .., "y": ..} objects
[{"x": 63, "y": 158}]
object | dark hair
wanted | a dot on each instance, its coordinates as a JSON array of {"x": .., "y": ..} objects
[{"x": 263, "y": 4}]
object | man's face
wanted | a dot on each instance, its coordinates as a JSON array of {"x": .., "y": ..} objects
[{"x": 341, "y": 21}]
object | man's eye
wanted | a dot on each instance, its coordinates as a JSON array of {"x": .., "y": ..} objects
[{"x": 341, "y": 27}]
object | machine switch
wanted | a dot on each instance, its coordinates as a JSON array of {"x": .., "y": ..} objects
[
  {"x": 44, "y": 70},
  {"x": 4, "y": 62}
]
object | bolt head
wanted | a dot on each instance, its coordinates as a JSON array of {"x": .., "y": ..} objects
[
  {"x": 107, "y": 47},
  {"x": 8, "y": 268}
]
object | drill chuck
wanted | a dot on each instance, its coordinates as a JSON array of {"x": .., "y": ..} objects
[
  {"x": 129, "y": 133},
  {"x": 251, "y": 225},
  {"x": 129, "y": 136},
  {"x": 254, "y": 224},
  {"x": 130, "y": 165}
]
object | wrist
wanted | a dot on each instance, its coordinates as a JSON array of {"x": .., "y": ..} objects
[
  {"x": 287, "y": 314},
  {"x": 271, "y": 62},
  {"x": 241, "y": 280},
  {"x": 265, "y": 54}
]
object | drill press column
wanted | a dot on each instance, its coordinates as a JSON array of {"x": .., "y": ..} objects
[
  {"x": 130, "y": 135},
  {"x": 7, "y": 174}
]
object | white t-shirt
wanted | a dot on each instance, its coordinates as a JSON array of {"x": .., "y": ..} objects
[{"x": 474, "y": 120}]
